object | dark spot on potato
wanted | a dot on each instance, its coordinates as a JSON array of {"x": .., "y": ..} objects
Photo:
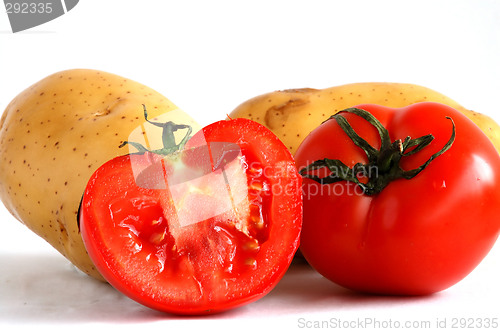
[{"x": 278, "y": 114}]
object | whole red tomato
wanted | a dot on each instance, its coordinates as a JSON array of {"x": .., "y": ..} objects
[
  {"x": 207, "y": 228},
  {"x": 398, "y": 201}
]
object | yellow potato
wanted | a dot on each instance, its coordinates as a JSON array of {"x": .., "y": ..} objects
[
  {"x": 293, "y": 114},
  {"x": 54, "y": 135}
]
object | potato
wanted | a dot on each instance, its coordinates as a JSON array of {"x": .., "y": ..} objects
[
  {"x": 54, "y": 135},
  {"x": 293, "y": 114}
]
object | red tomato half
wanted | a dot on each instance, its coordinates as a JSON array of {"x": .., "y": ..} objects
[
  {"x": 416, "y": 236},
  {"x": 183, "y": 235}
]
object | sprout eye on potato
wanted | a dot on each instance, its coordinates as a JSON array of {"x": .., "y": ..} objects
[
  {"x": 293, "y": 114},
  {"x": 53, "y": 136}
]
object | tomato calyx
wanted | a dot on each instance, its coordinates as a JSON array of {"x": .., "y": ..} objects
[
  {"x": 383, "y": 165},
  {"x": 168, "y": 138}
]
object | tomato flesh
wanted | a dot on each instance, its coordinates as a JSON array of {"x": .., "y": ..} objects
[{"x": 174, "y": 249}]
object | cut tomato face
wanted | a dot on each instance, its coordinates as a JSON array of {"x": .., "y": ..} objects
[{"x": 206, "y": 229}]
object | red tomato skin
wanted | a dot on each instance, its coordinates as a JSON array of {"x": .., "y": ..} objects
[
  {"x": 169, "y": 292},
  {"x": 417, "y": 236}
]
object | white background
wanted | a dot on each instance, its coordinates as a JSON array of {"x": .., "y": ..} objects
[{"x": 208, "y": 57}]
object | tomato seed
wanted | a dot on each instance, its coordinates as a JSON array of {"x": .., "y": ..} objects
[{"x": 256, "y": 185}]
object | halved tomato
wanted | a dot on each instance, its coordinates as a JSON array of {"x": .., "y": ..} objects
[{"x": 209, "y": 228}]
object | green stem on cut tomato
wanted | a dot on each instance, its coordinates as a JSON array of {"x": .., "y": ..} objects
[
  {"x": 383, "y": 165},
  {"x": 168, "y": 138}
]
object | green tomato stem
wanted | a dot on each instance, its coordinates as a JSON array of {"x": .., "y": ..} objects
[
  {"x": 168, "y": 137},
  {"x": 383, "y": 165}
]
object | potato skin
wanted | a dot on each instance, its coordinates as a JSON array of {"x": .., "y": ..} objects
[
  {"x": 293, "y": 114},
  {"x": 53, "y": 136}
]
